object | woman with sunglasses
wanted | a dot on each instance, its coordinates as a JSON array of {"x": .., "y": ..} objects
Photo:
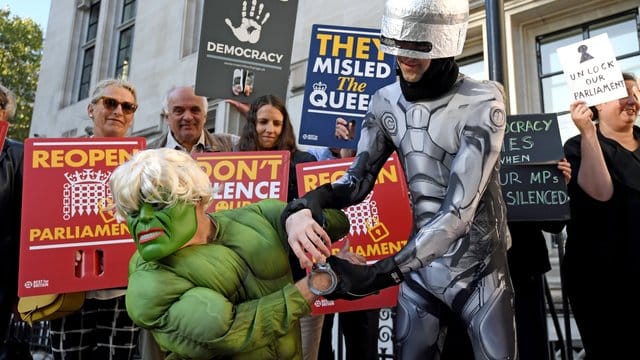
[
  {"x": 101, "y": 329},
  {"x": 113, "y": 103}
]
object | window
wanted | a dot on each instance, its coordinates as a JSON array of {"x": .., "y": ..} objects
[
  {"x": 473, "y": 67},
  {"x": 210, "y": 122},
  {"x": 70, "y": 133},
  {"x": 623, "y": 33},
  {"x": 192, "y": 24},
  {"x": 88, "y": 48},
  {"x": 125, "y": 41}
]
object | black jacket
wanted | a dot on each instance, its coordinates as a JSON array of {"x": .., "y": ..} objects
[
  {"x": 10, "y": 208},
  {"x": 528, "y": 255}
]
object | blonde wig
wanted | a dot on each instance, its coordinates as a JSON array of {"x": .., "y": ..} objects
[{"x": 164, "y": 177}]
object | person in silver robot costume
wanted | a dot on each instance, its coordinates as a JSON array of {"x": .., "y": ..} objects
[{"x": 447, "y": 130}]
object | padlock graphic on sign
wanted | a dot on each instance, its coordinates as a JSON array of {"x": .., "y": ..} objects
[
  {"x": 377, "y": 231},
  {"x": 106, "y": 210}
]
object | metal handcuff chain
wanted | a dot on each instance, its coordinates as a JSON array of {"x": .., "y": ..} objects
[{"x": 322, "y": 268}]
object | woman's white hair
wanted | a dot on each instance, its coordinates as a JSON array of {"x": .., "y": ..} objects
[{"x": 158, "y": 176}]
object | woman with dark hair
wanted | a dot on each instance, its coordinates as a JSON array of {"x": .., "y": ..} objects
[
  {"x": 269, "y": 127},
  {"x": 603, "y": 248}
]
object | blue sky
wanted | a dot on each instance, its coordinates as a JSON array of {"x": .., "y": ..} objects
[{"x": 38, "y": 10}]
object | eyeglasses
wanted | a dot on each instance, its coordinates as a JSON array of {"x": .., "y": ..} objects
[{"x": 111, "y": 104}]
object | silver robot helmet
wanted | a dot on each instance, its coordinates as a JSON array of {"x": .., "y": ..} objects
[{"x": 424, "y": 29}]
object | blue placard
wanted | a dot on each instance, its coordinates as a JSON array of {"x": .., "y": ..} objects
[{"x": 346, "y": 66}]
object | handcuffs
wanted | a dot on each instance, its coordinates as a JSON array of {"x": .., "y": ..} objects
[{"x": 322, "y": 268}]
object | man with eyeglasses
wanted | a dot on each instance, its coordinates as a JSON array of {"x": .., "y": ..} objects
[
  {"x": 11, "y": 157},
  {"x": 186, "y": 114},
  {"x": 447, "y": 130}
]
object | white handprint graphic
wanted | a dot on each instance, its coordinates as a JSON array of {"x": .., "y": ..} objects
[{"x": 251, "y": 26}]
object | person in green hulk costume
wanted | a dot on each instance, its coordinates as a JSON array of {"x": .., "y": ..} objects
[{"x": 212, "y": 285}]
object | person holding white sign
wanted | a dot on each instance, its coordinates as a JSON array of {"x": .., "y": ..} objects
[
  {"x": 447, "y": 130},
  {"x": 603, "y": 248}
]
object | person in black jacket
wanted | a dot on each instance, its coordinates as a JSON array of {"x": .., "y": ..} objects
[
  {"x": 528, "y": 260},
  {"x": 268, "y": 127},
  {"x": 11, "y": 166}
]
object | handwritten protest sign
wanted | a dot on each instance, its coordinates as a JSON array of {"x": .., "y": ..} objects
[
  {"x": 242, "y": 178},
  {"x": 69, "y": 241},
  {"x": 532, "y": 186},
  {"x": 379, "y": 227},
  {"x": 591, "y": 70},
  {"x": 346, "y": 66},
  {"x": 534, "y": 192},
  {"x": 531, "y": 138}
]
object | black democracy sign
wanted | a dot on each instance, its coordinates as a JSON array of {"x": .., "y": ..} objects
[
  {"x": 532, "y": 186},
  {"x": 245, "y": 49}
]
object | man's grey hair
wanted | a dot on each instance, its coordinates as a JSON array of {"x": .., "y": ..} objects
[
  {"x": 98, "y": 91},
  {"x": 8, "y": 101},
  {"x": 165, "y": 101}
]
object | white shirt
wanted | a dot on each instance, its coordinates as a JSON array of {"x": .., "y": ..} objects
[{"x": 172, "y": 143}]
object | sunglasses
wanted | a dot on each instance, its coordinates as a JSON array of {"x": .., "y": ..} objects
[{"x": 111, "y": 104}]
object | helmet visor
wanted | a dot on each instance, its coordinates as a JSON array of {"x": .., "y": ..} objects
[{"x": 414, "y": 49}]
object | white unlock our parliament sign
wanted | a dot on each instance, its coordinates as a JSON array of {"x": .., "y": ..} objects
[{"x": 592, "y": 71}]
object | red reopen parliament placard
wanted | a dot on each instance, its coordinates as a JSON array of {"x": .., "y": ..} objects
[
  {"x": 69, "y": 242},
  {"x": 246, "y": 177},
  {"x": 380, "y": 224}
]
